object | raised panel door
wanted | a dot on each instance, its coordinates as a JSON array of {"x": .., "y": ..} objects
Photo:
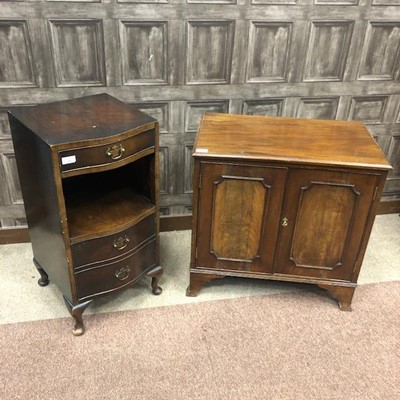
[
  {"x": 322, "y": 224},
  {"x": 239, "y": 208}
]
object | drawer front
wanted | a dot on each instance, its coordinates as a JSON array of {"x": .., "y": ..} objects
[
  {"x": 112, "y": 276},
  {"x": 108, "y": 247},
  {"x": 115, "y": 152}
]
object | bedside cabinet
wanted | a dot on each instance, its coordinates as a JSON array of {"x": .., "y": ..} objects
[
  {"x": 284, "y": 199},
  {"x": 88, "y": 169}
]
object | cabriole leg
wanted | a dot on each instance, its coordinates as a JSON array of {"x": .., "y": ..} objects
[
  {"x": 155, "y": 275},
  {"x": 44, "y": 278},
  {"x": 76, "y": 312}
]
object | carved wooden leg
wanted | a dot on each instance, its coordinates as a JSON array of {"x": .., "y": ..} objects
[
  {"x": 44, "y": 278},
  {"x": 342, "y": 294},
  {"x": 76, "y": 312},
  {"x": 155, "y": 275},
  {"x": 197, "y": 281}
]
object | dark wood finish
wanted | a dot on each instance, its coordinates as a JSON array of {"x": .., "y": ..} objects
[
  {"x": 97, "y": 280},
  {"x": 43, "y": 204},
  {"x": 76, "y": 311},
  {"x": 115, "y": 153},
  {"x": 114, "y": 245},
  {"x": 109, "y": 211},
  {"x": 175, "y": 223},
  {"x": 389, "y": 207},
  {"x": 197, "y": 281},
  {"x": 44, "y": 278},
  {"x": 155, "y": 275},
  {"x": 14, "y": 235},
  {"x": 93, "y": 217},
  {"x": 287, "y": 199},
  {"x": 83, "y": 120},
  {"x": 342, "y": 294}
]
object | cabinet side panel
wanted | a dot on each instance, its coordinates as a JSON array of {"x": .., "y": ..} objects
[{"x": 41, "y": 204}]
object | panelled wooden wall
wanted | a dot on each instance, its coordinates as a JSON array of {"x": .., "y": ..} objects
[{"x": 332, "y": 59}]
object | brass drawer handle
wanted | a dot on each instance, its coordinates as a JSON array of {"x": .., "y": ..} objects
[
  {"x": 115, "y": 151},
  {"x": 121, "y": 242},
  {"x": 122, "y": 273},
  {"x": 285, "y": 222}
]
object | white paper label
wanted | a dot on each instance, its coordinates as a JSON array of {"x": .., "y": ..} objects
[
  {"x": 68, "y": 160},
  {"x": 200, "y": 150}
]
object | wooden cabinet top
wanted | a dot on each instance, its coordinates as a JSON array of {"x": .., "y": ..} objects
[
  {"x": 300, "y": 141},
  {"x": 81, "y": 119}
]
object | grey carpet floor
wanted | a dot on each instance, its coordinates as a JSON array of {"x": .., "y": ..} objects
[
  {"x": 21, "y": 299},
  {"x": 290, "y": 346}
]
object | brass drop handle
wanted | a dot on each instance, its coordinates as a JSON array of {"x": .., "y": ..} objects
[
  {"x": 285, "y": 222},
  {"x": 121, "y": 242},
  {"x": 115, "y": 151},
  {"x": 122, "y": 273}
]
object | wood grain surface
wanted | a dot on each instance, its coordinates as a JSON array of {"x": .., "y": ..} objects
[{"x": 302, "y": 141}]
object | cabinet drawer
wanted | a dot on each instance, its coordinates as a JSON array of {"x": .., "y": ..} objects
[
  {"x": 86, "y": 157},
  {"x": 115, "y": 245},
  {"x": 108, "y": 277}
]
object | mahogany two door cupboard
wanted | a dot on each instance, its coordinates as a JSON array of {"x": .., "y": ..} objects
[
  {"x": 88, "y": 169},
  {"x": 284, "y": 199}
]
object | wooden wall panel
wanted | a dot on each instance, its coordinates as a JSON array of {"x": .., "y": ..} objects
[
  {"x": 209, "y": 51},
  {"x": 78, "y": 52},
  {"x": 268, "y": 51},
  {"x": 327, "y": 50},
  {"x": 4, "y": 125},
  {"x": 188, "y": 187},
  {"x": 386, "y": 2},
  {"x": 337, "y": 2},
  {"x": 13, "y": 186},
  {"x": 195, "y": 110},
  {"x": 270, "y": 107},
  {"x": 144, "y": 52},
  {"x": 159, "y": 111},
  {"x": 394, "y": 154},
  {"x": 16, "y": 62},
  {"x": 380, "y": 58},
  {"x": 163, "y": 161},
  {"x": 368, "y": 109},
  {"x": 320, "y": 108},
  {"x": 176, "y": 59}
]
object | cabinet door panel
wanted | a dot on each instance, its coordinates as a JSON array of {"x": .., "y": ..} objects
[
  {"x": 239, "y": 207},
  {"x": 326, "y": 213}
]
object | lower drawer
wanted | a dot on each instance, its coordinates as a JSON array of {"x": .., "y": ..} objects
[
  {"x": 108, "y": 247},
  {"x": 109, "y": 277}
]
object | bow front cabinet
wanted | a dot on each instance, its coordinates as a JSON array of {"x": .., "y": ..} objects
[
  {"x": 284, "y": 199},
  {"x": 88, "y": 169}
]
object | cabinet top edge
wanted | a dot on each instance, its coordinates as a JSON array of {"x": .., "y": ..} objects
[
  {"x": 293, "y": 162},
  {"x": 293, "y": 140},
  {"x": 85, "y": 118}
]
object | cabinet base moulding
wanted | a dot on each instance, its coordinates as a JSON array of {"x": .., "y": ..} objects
[{"x": 342, "y": 292}]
